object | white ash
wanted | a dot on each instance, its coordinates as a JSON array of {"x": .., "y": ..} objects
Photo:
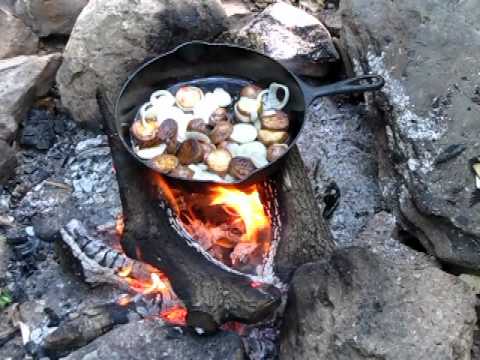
[
  {"x": 338, "y": 140},
  {"x": 411, "y": 125}
]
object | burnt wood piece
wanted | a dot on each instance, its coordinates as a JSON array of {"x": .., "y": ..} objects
[
  {"x": 305, "y": 236},
  {"x": 211, "y": 294}
]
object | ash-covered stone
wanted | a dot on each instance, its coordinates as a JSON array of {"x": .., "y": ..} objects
[
  {"x": 150, "y": 339},
  {"x": 291, "y": 36},
  {"x": 338, "y": 142}
]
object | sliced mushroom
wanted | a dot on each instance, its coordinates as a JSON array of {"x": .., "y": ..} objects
[
  {"x": 276, "y": 151},
  {"x": 188, "y": 96},
  {"x": 198, "y": 125},
  {"x": 182, "y": 172},
  {"x": 145, "y": 132},
  {"x": 241, "y": 167},
  {"x": 221, "y": 132},
  {"x": 219, "y": 115},
  {"x": 190, "y": 152},
  {"x": 165, "y": 163},
  {"x": 251, "y": 91},
  {"x": 168, "y": 129},
  {"x": 218, "y": 161},
  {"x": 244, "y": 133},
  {"x": 275, "y": 120},
  {"x": 198, "y": 136},
  {"x": 269, "y": 137}
]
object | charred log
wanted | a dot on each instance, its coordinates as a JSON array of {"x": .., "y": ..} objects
[
  {"x": 211, "y": 294},
  {"x": 305, "y": 236}
]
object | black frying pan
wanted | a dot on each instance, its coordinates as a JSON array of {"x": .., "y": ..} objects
[{"x": 193, "y": 62}]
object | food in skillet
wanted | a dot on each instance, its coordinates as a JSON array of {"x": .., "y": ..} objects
[{"x": 216, "y": 135}]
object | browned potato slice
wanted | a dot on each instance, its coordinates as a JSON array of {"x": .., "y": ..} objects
[
  {"x": 219, "y": 115},
  {"x": 269, "y": 137},
  {"x": 241, "y": 167},
  {"x": 188, "y": 96},
  {"x": 275, "y": 120},
  {"x": 190, "y": 152},
  {"x": 251, "y": 91},
  {"x": 218, "y": 161},
  {"x": 182, "y": 172},
  {"x": 207, "y": 149},
  {"x": 145, "y": 133},
  {"x": 165, "y": 163},
  {"x": 221, "y": 132},
  {"x": 198, "y": 125},
  {"x": 276, "y": 151}
]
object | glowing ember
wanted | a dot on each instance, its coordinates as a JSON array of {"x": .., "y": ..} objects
[
  {"x": 231, "y": 223},
  {"x": 124, "y": 272},
  {"x": 124, "y": 300},
  {"x": 119, "y": 225},
  {"x": 176, "y": 315}
]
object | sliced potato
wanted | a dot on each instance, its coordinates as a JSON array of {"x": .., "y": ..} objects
[
  {"x": 188, "y": 96},
  {"x": 251, "y": 91},
  {"x": 218, "y": 161},
  {"x": 145, "y": 132},
  {"x": 269, "y": 137},
  {"x": 190, "y": 152},
  {"x": 165, "y": 163},
  {"x": 275, "y": 120},
  {"x": 244, "y": 133},
  {"x": 241, "y": 167}
]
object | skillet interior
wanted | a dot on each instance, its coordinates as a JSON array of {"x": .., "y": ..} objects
[{"x": 200, "y": 60}]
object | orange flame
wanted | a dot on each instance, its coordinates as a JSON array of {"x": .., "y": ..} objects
[{"x": 247, "y": 204}]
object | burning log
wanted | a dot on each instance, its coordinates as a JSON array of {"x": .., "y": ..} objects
[{"x": 212, "y": 294}]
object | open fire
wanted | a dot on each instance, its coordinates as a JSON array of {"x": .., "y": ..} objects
[{"x": 232, "y": 224}]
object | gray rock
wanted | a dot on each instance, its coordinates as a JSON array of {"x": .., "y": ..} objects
[
  {"x": 112, "y": 38},
  {"x": 290, "y": 35},
  {"x": 80, "y": 328},
  {"x": 17, "y": 38},
  {"x": 427, "y": 52},
  {"x": 8, "y": 161},
  {"x": 4, "y": 256},
  {"x": 152, "y": 340},
  {"x": 358, "y": 305},
  {"x": 50, "y": 17},
  {"x": 23, "y": 78}
]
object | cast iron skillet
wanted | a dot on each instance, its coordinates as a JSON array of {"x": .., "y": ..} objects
[{"x": 195, "y": 60}]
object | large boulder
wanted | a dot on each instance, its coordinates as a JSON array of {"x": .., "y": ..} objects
[
  {"x": 112, "y": 38},
  {"x": 430, "y": 109},
  {"x": 47, "y": 17},
  {"x": 17, "y": 38},
  {"x": 23, "y": 78},
  {"x": 361, "y": 305},
  {"x": 152, "y": 340},
  {"x": 290, "y": 35}
]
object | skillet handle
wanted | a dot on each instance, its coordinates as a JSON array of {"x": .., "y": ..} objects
[{"x": 357, "y": 84}]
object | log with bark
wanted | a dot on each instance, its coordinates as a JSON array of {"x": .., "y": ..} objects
[{"x": 212, "y": 294}]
